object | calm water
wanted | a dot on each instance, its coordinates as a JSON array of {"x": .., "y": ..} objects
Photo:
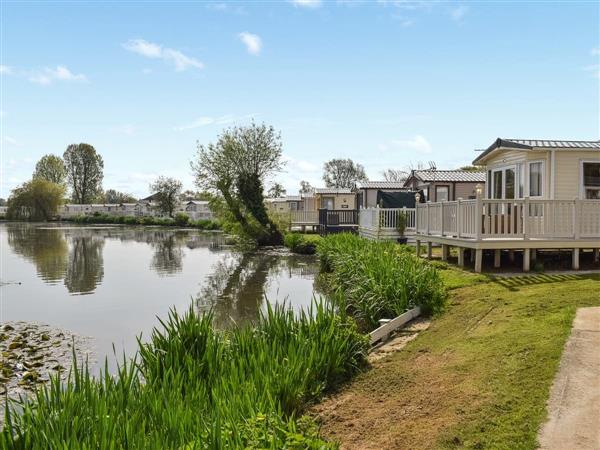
[{"x": 110, "y": 283}]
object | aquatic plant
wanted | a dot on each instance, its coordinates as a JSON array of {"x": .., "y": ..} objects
[
  {"x": 378, "y": 279},
  {"x": 180, "y": 220},
  {"x": 195, "y": 387}
]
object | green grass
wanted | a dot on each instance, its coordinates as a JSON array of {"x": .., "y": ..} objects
[
  {"x": 480, "y": 376},
  {"x": 195, "y": 387},
  {"x": 378, "y": 280}
]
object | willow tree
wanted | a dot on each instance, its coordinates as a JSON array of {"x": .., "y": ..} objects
[
  {"x": 236, "y": 167},
  {"x": 37, "y": 199}
]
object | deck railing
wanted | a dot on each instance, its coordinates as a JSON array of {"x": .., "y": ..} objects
[
  {"x": 304, "y": 217},
  {"x": 518, "y": 219},
  {"x": 386, "y": 218}
]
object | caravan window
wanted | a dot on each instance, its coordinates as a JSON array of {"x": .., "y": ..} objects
[{"x": 591, "y": 180}]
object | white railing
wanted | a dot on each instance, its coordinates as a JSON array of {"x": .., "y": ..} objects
[
  {"x": 386, "y": 218},
  {"x": 519, "y": 219},
  {"x": 304, "y": 217}
]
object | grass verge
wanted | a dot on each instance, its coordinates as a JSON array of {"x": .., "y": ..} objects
[{"x": 479, "y": 377}]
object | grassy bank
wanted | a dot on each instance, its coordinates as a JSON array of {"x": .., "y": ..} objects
[
  {"x": 479, "y": 377},
  {"x": 378, "y": 280},
  {"x": 180, "y": 220},
  {"x": 246, "y": 388}
]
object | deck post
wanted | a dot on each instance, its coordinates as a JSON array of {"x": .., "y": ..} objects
[
  {"x": 442, "y": 219},
  {"x": 445, "y": 252},
  {"x": 525, "y": 218},
  {"x": 576, "y": 218},
  {"x": 478, "y": 260},
  {"x": 497, "y": 258},
  {"x": 526, "y": 259},
  {"x": 478, "y": 217},
  {"x": 597, "y": 255},
  {"x": 461, "y": 256},
  {"x": 458, "y": 217},
  {"x": 427, "y": 223},
  {"x": 418, "y": 242},
  {"x": 575, "y": 259},
  {"x": 429, "y": 246}
]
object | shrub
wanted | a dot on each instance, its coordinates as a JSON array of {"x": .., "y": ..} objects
[
  {"x": 182, "y": 219},
  {"x": 195, "y": 387},
  {"x": 379, "y": 280},
  {"x": 297, "y": 243}
]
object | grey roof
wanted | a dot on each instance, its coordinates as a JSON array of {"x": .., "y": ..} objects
[
  {"x": 531, "y": 144},
  {"x": 333, "y": 191},
  {"x": 382, "y": 185},
  {"x": 197, "y": 202},
  {"x": 288, "y": 198},
  {"x": 452, "y": 176}
]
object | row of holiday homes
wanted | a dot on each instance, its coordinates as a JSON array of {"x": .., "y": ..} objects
[
  {"x": 432, "y": 185},
  {"x": 195, "y": 209}
]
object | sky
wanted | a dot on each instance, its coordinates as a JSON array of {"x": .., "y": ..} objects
[{"x": 389, "y": 84}]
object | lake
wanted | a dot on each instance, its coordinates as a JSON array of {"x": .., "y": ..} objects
[{"x": 111, "y": 283}]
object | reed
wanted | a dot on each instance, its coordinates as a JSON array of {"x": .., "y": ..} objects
[
  {"x": 195, "y": 387},
  {"x": 378, "y": 280}
]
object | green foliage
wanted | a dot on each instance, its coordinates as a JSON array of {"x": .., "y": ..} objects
[
  {"x": 51, "y": 168},
  {"x": 182, "y": 219},
  {"x": 297, "y": 243},
  {"x": 235, "y": 168},
  {"x": 115, "y": 197},
  {"x": 276, "y": 190},
  {"x": 166, "y": 192},
  {"x": 343, "y": 173},
  {"x": 37, "y": 199},
  {"x": 379, "y": 280},
  {"x": 130, "y": 220},
  {"x": 401, "y": 223},
  {"x": 196, "y": 387},
  {"x": 84, "y": 172}
]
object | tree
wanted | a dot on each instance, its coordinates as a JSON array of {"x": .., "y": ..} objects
[
  {"x": 343, "y": 173},
  {"x": 471, "y": 169},
  {"x": 276, "y": 190},
  {"x": 306, "y": 188},
  {"x": 166, "y": 192},
  {"x": 37, "y": 199},
  {"x": 51, "y": 168},
  {"x": 84, "y": 172},
  {"x": 394, "y": 175},
  {"x": 113, "y": 196},
  {"x": 236, "y": 167}
]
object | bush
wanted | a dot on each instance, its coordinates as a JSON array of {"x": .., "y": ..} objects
[
  {"x": 297, "y": 243},
  {"x": 379, "y": 280},
  {"x": 182, "y": 219},
  {"x": 196, "y": 387}
]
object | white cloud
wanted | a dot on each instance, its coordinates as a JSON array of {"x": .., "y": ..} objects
[
  {"x": 307, "y": 3},
  {"x": 459, "y": 12},
  {"x": 252, "y": 42},
  {"x": 11, "y": 141},
  {"x": 60, "y": 73},
  {"x": 595, "y": 51},
  {"x": 594, "y": 69},
  {"x": 204, "y": 121},
  {"x": 417, "y": 144},
  {"x": 126, "y": 129},
  {"x": 6, "y": 70},
  {"x": 156, "y": 51}
]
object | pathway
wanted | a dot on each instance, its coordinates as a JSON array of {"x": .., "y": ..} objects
[{"x": 574, "y": 405}]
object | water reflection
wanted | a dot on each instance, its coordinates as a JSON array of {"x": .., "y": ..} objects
[
  {"x": 47, "y": 250},
  {"x": 86, "y": 263},
  {"x": 240, "y": 284}
]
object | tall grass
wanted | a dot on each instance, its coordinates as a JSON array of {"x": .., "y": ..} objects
[
  {"x": 377, "y": 280},
  {"x": 196, "y": 387}
]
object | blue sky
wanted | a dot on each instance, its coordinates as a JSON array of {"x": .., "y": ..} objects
[{"x": 387, "y": 84}]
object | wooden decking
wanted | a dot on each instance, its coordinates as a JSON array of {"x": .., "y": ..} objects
[{"x": 524, "y": 225}]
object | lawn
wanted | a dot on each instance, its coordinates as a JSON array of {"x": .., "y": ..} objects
[{"x": 479, "y": 377}]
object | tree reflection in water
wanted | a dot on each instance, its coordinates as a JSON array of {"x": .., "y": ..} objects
[
  {"x": 47, "y": 249},
  {"x": 235, "y": 290},
  {"x": 86, "y": 263}
]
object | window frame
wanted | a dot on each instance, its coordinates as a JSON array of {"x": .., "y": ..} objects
[
  {"x": 528, "y": 178},
  {"x": 582, "y": 185},
  {"x": 445, "y": 186}
]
